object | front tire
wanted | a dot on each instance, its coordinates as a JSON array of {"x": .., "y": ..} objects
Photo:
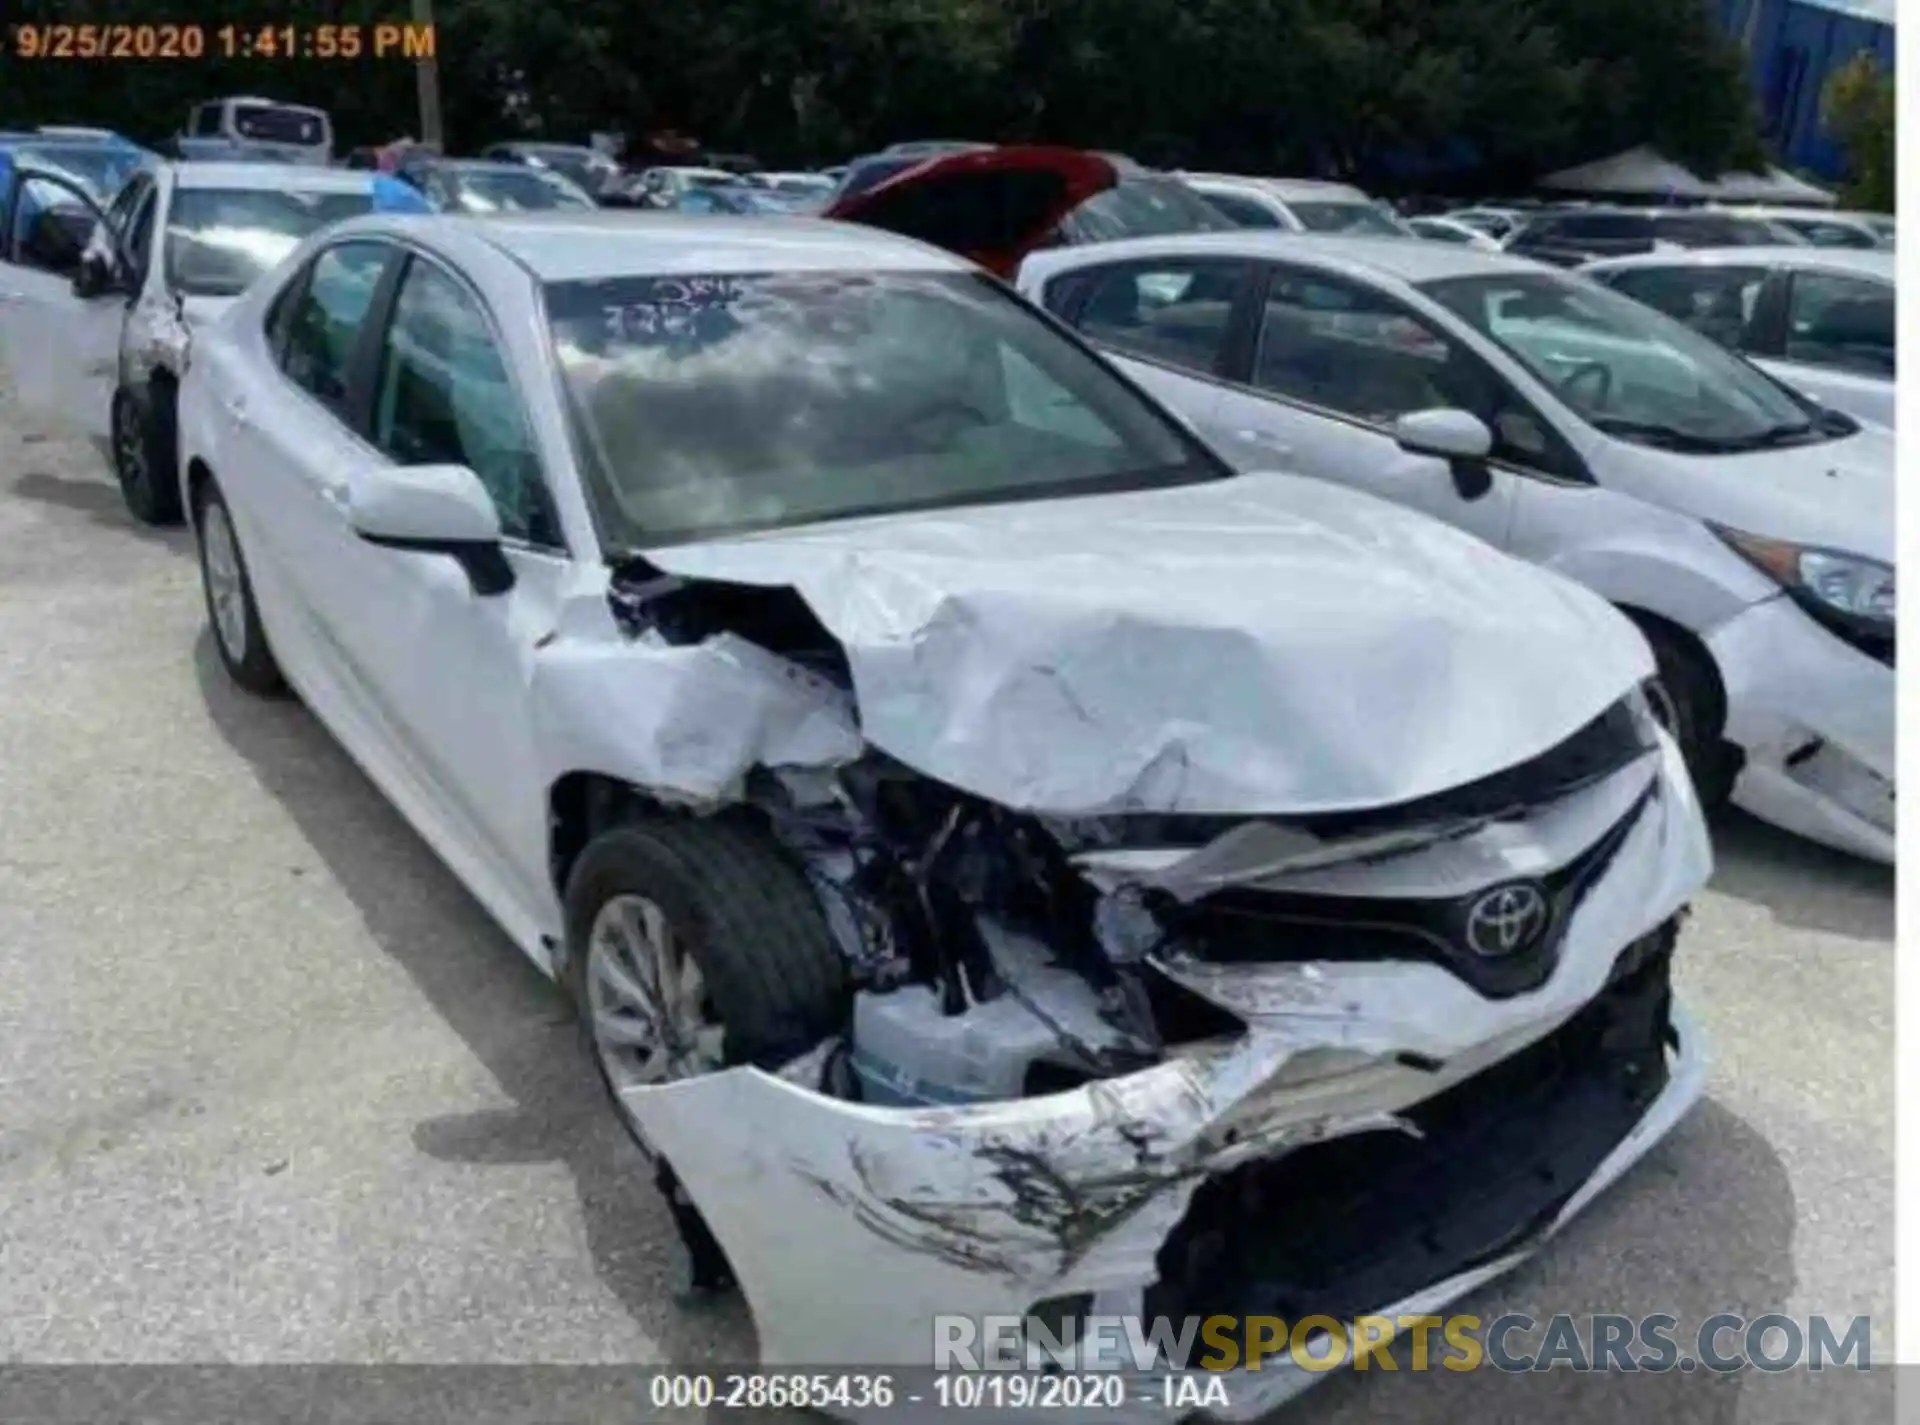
[
  {"x": 146, "y": 454},
  {"x": 694, "y": 945},
  {"x": 1686, "y": 698},
  {"x": 231, "y": 611}
]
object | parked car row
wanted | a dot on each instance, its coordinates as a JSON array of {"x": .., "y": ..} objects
[{"x": 1222, "y": 716}]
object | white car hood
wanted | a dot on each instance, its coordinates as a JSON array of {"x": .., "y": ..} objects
[
  {"x": 1837, "y": 494},
  {"x": 1257, "y": 645}
]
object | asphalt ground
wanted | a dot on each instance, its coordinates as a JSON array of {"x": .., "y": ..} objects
[{"x": 273, "y": 1089}]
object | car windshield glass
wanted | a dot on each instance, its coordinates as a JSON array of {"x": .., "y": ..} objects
[
  {"x": 273, "y": 124},
  {"x": 1143, "y": 206},
  {"x": 514, "y": 190},
  {"x": 1625, "y": 368},
  {"x": 220, "y": 239},
  {"x": 719, "y": 404},
  {"x": 100, "y": 169},
  {"x": 1359, "y": 218}
]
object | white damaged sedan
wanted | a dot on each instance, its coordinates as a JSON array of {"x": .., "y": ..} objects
[{"x": 1002, "y": 857}]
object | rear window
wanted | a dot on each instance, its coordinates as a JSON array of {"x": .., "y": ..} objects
[
  {"x": 274, "y": 123},
  {"x": 220, "y": 239},
  {"x": 1713, "y": 230},
  {"x": 1354, "y": 218},
  {"x": 1140, "y": 205},
  {"x": 1604, "y": 226}
]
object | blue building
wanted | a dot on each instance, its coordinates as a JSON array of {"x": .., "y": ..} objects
[{"x": 1794, "y": 46}]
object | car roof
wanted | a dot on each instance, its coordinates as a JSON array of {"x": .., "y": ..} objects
[
  {"x": 1405, "y": 259},
  {"x": 1867, "y": 262},
  {"x": 221, "y": 173},
  {"x": 579, "y": 246}
]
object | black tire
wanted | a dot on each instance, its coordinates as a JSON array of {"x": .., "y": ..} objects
[
  {"x": 250, "y": 664},
  {"x": 776, "y": 984},
  {"x": 1687, "y": 699},
  {"x": 146, "y": 453}
]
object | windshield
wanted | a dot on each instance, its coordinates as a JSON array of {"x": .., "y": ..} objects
[
  {"x": 101, "y": 169},
  {"x": 714, "y": 405},
  {"x": 220, "y": 239},
  {"x": 1625, "y": 368},
  {"x": 582, "y": 165},
  {"x": 1142, "y": 206},
  {"x": 1352, "y": 216},
  {"x": 513, "y": 189}
]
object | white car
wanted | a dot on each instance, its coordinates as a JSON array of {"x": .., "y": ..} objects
[
  {"x": 989, "y": 842},
  {"x": 98, "y": 345},
  {"x": 1300, "y": 205},
  {"x": 1819, "y": 318},
  {"x": 1748, "y": 530}
]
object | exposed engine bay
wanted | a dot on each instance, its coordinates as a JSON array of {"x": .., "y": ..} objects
[
  {"x": 1110, "y": 1045},
  {"x": 996, "y": 955}
]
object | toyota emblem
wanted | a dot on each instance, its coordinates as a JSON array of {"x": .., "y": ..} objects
[{"x": 1507, "y": 920}]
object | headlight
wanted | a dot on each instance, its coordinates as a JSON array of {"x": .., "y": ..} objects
[{"x": 1850, "y": 594}]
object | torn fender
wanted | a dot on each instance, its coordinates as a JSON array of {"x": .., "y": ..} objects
[{"x": 685, "y": 723}]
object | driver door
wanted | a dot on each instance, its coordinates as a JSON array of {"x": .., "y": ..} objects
[
  {"x": 59, "y": 351},
  {"x": 1333, "y": 365}
]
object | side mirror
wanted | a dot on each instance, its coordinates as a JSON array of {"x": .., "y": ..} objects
[
  {"x": 1458, "y": 437},
  {"x": 98, "y": 276},
  {"x": 433, "y": 509}
]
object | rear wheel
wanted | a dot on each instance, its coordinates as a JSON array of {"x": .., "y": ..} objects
[
  {"x": 145, "y": 454},
  {"x": 231, "y": 610}
]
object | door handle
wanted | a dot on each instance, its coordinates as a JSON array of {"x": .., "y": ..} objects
[{"x": 6, "y": 297}]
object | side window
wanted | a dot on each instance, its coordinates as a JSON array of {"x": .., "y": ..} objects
[
  {"x": 323, "y": 325},
  {"x": 206, "y": 121},
  {"x": 51, "y": 224},
  {"x": 1241, "y": 212},
  {"x": 1345, "y": 348},
  {"x": 443, "y": 398},
  {"x": 1829, "y": 234},
  {"x": 1717, "y": 302},
  {"x": 1176, "y": 312},
  {"x": 1842, "y": 322}
]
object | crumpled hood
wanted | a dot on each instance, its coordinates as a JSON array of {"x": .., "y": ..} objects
[
  {"x": 1264, "y": 644},
  {"x": 1837, "y": 494}
]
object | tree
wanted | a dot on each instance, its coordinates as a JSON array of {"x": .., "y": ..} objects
[
  {"x": 1857, "y": 105},
  {"x": 1380, "y": 91}
]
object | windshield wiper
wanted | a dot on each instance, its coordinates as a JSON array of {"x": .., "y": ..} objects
[
  {"x": 1788, "y": 433},
  {"x": 1665, "y": 436}
]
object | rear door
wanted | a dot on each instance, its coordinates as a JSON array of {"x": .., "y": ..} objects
[
  {"x": 1835, "y": 340},
  {"x": 1725, "y": 302},
  {"x": 1169, "y": 323},
  {"x": 291, "y": 433},
  {"x": 59, "y": 351}
]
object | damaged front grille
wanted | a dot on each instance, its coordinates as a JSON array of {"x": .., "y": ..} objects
[
  {"x": 1258, "y": 926},
  {"x": 1356, "y": 1224}
]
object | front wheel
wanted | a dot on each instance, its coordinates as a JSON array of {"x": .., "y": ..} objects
[
  {"x": 231, "y": 610},
  {"x": 145, "y": 454},
  {"x": 694, "y": 945},
  {"x": 1686, "y": 700}
]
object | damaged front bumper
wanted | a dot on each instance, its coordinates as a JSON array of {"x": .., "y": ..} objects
[
  {"x": 1815, "y": 720},
  {"x": 1128, "y": 1192}
]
